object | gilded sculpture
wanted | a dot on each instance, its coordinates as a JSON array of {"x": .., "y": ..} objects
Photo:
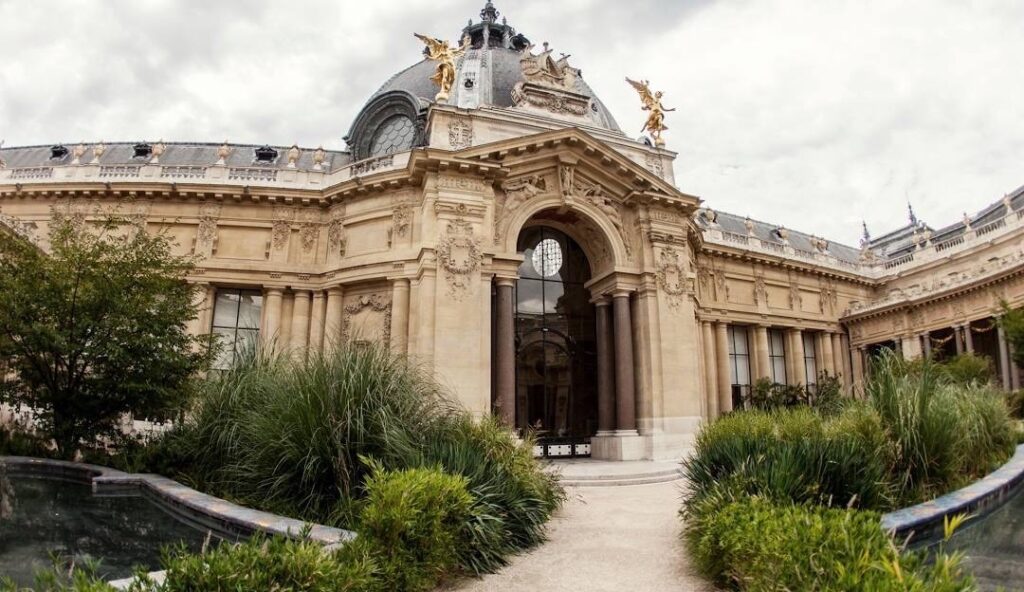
[
  {"x": 445, "y": 56},
  {"x": 655, "y": 124}
]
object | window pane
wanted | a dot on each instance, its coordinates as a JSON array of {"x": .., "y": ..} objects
[
  {"x": 809, "y": 349},
  {"x": 225, "y": 311},
  {"x": 812, "y": 371},
  {"x": 743, "y": 370},
  {"x": 226, "y": 341},
  {"x": 530, "y": 295},
  {"x": 553, "y": 298},
  {"x": 741, "y": 341},
  {"x": 247, "y": 341},
  {"x": 779, "y": 370},
  {"x": 250, "y": 309},
  {"x": 776, "y": 343}
]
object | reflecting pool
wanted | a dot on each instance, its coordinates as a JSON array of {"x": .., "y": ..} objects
[
  {"x": 994, "y": 546},
  {"x": 40, "y": 517}
]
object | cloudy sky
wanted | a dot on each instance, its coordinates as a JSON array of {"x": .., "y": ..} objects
[{"x": 809, "y": 113}]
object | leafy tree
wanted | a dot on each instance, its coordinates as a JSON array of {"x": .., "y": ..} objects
[
  {"x": 1012, "y": 322},
  {"x": 95, "y": 328}
]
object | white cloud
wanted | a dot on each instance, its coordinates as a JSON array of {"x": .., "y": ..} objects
[{"x": 810, "y": 114}]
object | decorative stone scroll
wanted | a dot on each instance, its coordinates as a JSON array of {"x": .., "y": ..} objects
[
  {"x": 671, "y": 276},
  {"x": 460, "y": 255},
  {"x": 460, "y": 134},
  {"x": 368, "y": 319}
]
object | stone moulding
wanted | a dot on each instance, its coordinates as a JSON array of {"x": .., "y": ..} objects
[
  {"x": 923, "y": 524},
  {"x": 199, "y": 510}
]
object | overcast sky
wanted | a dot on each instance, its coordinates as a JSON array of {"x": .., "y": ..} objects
[{"x": 814, "y": 114}]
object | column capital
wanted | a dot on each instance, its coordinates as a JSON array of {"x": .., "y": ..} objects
[
  {"x": 505, "y": 282},
  {"x": 275, "y": 291},
  {"x": 334, "y": 291},
  {"x": 601, "y": 300},
  {"x": 622, "y": 293}
]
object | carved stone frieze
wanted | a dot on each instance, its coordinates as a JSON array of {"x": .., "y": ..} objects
[
  {"x": 460, "y": 255},
  {"x": 594, "y": 195},
  {"x": 309, "y": 228},
  {"x": 462, "y": 183},
  {"x": 367, "y": 319},
  {"x": 721, "y": 282},
  {"x": 336, "y": 241}
]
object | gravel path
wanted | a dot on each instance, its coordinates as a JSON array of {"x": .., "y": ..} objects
[{"x": 605, "y": 539}]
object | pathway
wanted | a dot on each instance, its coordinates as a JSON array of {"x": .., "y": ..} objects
[{"x": 623, "y": 538}]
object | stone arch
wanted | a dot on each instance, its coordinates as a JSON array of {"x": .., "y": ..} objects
[{"x": 587, "y": 225}]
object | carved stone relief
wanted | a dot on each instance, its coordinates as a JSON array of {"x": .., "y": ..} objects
[
  {"x": 595, "y": 196},
  {"x": 206, "y": 234},
  {"x": 460, "y": 255},
  {"x": 282, "y": 226},
  {"x": 654, "y": 164},
  {"x": 463, "y": 183},
  {"x": 309, "y": 229},
  {"x": 671, "y": 276},
  {"x": 704, "y": 281},
  {"x": 401, "y": 218},
  {"x": 796, "y": 299},
  {"x": 368, "y": 319},
  {"x": 721, "y": 282},
  {"x": 829, "y": 297},
  {"x": 517, "y": 193},
  {"x": 760, "y": 290},
  {"x": 460, "y": 134},
  {"x": 336, "y": 241}
]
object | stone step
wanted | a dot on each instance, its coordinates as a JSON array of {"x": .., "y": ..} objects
[{"x": 623, "y": 480}]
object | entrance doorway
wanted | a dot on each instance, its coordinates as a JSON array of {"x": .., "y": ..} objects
[{"x": 556, "y": 344}]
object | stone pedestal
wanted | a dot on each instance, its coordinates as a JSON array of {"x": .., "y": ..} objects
[{"x": 619, "y": 446}]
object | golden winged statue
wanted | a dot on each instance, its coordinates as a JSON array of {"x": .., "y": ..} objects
[
  {"x": 445, "y": 56},
  {"x": 652, "y": 102}
]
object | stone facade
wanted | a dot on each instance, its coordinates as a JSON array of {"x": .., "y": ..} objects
[{"x": 418, "y": 247}]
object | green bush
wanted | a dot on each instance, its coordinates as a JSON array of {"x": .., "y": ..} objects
[
  {"x": 969, "y": 369},
  {"x": 943, "y": 433},
  {"x": 795, "y": 455},
  {"x": 826, "y": 395},
  {"x": 749, "y": 543}
]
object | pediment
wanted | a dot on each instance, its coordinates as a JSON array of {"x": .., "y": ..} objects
[{"x": 589, "y": 157}]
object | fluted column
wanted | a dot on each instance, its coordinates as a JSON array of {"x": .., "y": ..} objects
[
  {"x": 710, "y": 368},
  {"x": 761, "y": 352},
  {"x": 273, "y": 325},
  {"x": 722, "y": 363},
  {"x": 505, "y": 352},
  {"x": 958, "y": 338},
  {"x": 837, "y": 357},
  {"x": 316, "y": 322},
  {"x": 827, "y": 355},
  {"x": 333, "y": 318},
  {"x": 605, "y": 369},
  {"x": 625, "y": 384},
  {"x": 968, "y": 338},
  {"x": 400, "y": 316},
  {"x": 796, "y": 339},
  {"x": 1004, "y": 358},
  {"x": 300, "y": 320}
]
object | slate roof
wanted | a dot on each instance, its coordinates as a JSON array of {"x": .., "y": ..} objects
[
  {"x": 768, "y": 232},
  {"x": 175, "y": 154}
]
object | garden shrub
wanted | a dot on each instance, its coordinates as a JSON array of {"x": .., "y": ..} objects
[
  {"x": 795, "y": 454},
  {"x": 752, "y": 544},
  {"x": 826, "y": 395},
  {"x": 969, "y": 369}
]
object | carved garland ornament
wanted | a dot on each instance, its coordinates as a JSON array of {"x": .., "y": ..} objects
[
  {"x": 209, "y": 213},
  {"x": 309, "y": 231},
  {"x": 671, "y": 276},
  {"x": 336, "y": 236},
  {"x": 401, "y": 218},
  {"x": 370, "y": 302},
  {"x": 760, "y": 290},
  {"x": 459, "y": 253},
  {"x": 282, "y": 226}
]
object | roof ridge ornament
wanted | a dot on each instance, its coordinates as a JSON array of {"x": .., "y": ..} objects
[
  {"x": 489, "y": 14},
  {"x": 655, "y": 123},
  {"x": 913, "y": 217}
]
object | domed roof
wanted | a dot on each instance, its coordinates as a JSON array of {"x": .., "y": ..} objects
[{"x": 489, "y": 72}]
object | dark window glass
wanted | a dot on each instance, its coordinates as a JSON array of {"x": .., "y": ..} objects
[
  {"x": 236, "y": 322},
  {"x": 777, "y": 355}
]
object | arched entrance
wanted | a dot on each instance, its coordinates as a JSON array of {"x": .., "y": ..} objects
[{"x": 555, "y": 344}]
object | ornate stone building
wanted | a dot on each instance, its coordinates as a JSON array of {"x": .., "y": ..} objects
[{"x": 541, "y": 262}]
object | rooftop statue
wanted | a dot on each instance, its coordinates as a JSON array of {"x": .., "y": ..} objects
[
  {"x": 652, "y": 102},
  {"x": 545, "y": 70},
  {"x": 445, "y": 56}
]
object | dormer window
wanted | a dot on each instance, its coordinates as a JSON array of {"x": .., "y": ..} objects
[
  {"x": 58, "y": 151},
  {"x": 142, "y": 150},
  {"x": 265, "y": 155}
]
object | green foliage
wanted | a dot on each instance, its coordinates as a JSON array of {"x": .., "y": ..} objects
[
  {"x": 943, "y": 433},
  {"x": 826, "y": 395},
  {"x": 1015, "y": 404},
  {"x": 95, "y": 329},
  {"x": 795, "y": 454},
  {"x": 413, "y": 524},
  {"x": 1012, "y": 322},
  {"x": 752, "y": 544},
  {"x": 969, "y": 370}
]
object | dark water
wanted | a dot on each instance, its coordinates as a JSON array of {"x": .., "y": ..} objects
[
  {"x": 994, "y": 546},
  {"x": 40, "y": 517}
]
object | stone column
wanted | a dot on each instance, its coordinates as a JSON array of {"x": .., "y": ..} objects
[
  {"x": 300, "y": 321},
  {"x": 1004, "y": 358},
  {"x": 625, "y": 384},
  {"x": 958, "y": 337},
  {"x": 316, "y": 322},
  {"x": 827, "y": 355},
  {"x": 858, "y": 369},
  {"x": 927, "y": 341},
  {"x": 968, "y": 339},
  {"x": 761, "y": 352},
  {"x": 847, "y": 353},
  {"x": 837, "y": 357},
  {"x": 273, "y": 328},
  {"x": 605, "y": 369},
  {"x": 710, "y": 368},
  {"x": 400, "y": 316},
  {"x": 505, "y": 353},
  {"x": 799, "y": 375},
  {"x": 333, "y": 318},
  {"x": 722, "y": 362}
]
